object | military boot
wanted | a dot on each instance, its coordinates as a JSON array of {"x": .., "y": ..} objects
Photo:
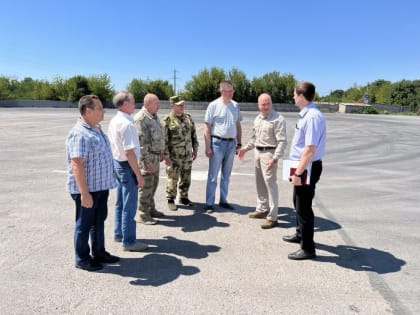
[{"x": 172, "y": 205}]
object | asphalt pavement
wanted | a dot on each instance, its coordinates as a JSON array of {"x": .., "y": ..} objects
[{"x": 367, "y": 234}]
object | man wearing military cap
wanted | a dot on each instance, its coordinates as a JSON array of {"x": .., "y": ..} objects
[{"x": 181, "y": 146}]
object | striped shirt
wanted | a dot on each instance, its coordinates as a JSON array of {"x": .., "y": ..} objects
[{"x": 93, "y": 146}]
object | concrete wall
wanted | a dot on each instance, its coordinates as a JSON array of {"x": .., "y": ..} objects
[
  {"x": 351, "y": 108},
  {"x": 164, "y": 104}
]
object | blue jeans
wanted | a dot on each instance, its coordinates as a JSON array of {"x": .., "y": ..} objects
[
  {"x": 90, "y": 222},
  {"x": 126, "y": 204},
  {"x": 223, "y": 156}
]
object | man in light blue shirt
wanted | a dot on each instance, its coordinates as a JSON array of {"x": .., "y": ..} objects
[
  {"x": 308, "y": 147},
  {"x": 222, "y": 135}
]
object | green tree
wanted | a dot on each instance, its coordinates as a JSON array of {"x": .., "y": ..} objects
[
  {"x": 77, "y": 87},
  {"x": 161, "y": 88},
  {"x": 204, "y": 86},
  {"x": 279, "y": 87},
  {"x": 336, "y": 96},
  {"x": 43, "y": 90},
  {"x": 353, "y": 94},
  {"x": 241, "y": 85},
  {"x": 379, "y": 91},
  {"x": 59, "y": 88},
  {"x": 4, "y": 88},
  {"x": 406, "y": 93},
  {"x": 101, "y": 86},
  {"x": 138, "y": 88},
  {"x": 24, "y": 89}
]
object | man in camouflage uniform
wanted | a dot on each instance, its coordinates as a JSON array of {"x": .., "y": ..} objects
[
  {"x": 152, "y": 145},
  {"x": 181, "y": 146}
]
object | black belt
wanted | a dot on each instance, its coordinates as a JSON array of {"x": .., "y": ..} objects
[
  {"x": 317, "y": 161},
  {"x": 265, "y": 148},
  {"x": 224, "y": 139}
]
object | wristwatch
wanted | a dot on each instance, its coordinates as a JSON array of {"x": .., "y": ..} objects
[{"x": 298, "y": 175}]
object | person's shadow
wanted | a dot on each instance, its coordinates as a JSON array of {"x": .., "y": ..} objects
[
  {"x": 187, "y": 249},
  {"x": 197, "y": 221},
  {"x": 361, "y": 259},
  {"x": 159, "y": 267},
  {"x": 151, "y": 270},
  {"x": 287, "y": 219}
]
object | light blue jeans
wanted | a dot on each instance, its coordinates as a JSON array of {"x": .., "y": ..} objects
[
  {"x": 126, "y": 204},
  {"x": 223, "y": 156}
]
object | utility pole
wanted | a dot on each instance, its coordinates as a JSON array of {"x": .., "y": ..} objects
[{"x": 174, "y": 78}]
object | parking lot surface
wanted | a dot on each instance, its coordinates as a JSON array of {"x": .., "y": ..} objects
[{"x": 367, "y": 235}]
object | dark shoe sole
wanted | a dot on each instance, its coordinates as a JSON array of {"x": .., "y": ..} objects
[
  {"x": 186, "y": 203},
  {"x": 107, "y": 260},
  {"x": 209, "y": 209},
  {"x": 291, "y": 239},
  {"x": 90, "y": 267},
  {"x": 226, "y": 206},
  {"x": 301, "y": 255}
]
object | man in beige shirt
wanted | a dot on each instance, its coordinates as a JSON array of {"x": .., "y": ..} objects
[{"x": 269, "y": 140}]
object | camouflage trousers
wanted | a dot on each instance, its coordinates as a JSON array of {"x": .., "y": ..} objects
[
  {"x": 178, "y": 174},
  {"x": 146, "y": 201}
]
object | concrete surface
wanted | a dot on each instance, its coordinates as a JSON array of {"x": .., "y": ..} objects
[{"x": 366, "y": 231}]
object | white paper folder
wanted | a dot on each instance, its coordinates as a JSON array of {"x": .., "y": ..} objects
[{"x": 289, "y": 168}]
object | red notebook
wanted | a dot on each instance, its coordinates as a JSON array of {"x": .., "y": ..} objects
[
  {"x": 304, "y": 175},
  {"x": 289, "y": 168}
]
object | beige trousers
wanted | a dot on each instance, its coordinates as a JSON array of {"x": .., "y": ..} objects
[{"x": 267, "y": 189}]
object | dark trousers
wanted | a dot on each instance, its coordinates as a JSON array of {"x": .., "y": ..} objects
[
  {"x": 90, "y": 222},
  {"x": 302, "y": 200}
]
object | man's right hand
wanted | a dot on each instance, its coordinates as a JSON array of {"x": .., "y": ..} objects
[
  {"x": 209, "y": 153},
  {"x": 140, "y": 181},
  {"x": 86, "y": 200},
  {"x": 241, "y": 153}
]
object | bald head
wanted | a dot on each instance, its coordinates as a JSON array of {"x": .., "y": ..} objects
[
  {"x": 151, "y": 103},
  {"x": 265, "y": 104}
]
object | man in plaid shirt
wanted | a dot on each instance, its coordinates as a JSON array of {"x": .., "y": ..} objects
[{"x": 90, "y": 176}]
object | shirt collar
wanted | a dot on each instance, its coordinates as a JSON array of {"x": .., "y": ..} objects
[
  {"x": 304, "y": 110},
  {"x": 148, "y": 115},
  {"x": 87, "y": 126},
  {"x": 129, "y": 117},
  {"x": 268, "y": 116}
]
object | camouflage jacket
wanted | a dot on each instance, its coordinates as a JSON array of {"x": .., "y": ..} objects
[
  {"x": 180, "y": 135},
  {"x": 150, "y": 135}
]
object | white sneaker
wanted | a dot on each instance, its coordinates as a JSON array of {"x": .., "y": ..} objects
[{"x": 136, "y": 247}]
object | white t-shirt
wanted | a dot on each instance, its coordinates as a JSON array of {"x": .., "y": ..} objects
[{"x": 123, "y": 136}]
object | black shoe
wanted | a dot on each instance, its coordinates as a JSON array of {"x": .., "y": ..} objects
[
  {"x": 186, "y": 202},
  {"x": 226, "y": 205},
  {"x": 106, "y": 258},
  {"x": 89, "y": 265},
  {"x": 301, "y": 254},
  {"x": 209, "y": 209},
  {"x": 292, "y": 238}
]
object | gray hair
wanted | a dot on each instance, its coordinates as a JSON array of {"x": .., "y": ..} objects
[{"x": 121, "y": 97}]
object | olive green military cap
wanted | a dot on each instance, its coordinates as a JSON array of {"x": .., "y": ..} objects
[{"x": 176, "y": 100}]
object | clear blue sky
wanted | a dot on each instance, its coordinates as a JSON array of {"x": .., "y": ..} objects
[{"x": 332, "y": 43}]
